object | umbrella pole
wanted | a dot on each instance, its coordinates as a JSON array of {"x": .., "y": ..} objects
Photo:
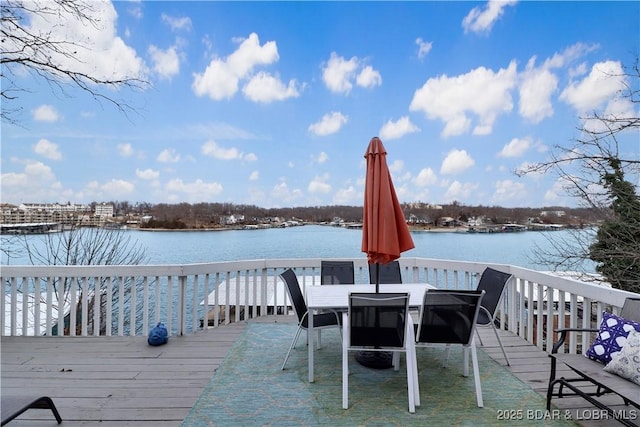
[{"x": 377, "y": 277}]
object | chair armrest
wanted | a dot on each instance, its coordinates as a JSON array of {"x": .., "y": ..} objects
[{"x": 563, "y": 336}]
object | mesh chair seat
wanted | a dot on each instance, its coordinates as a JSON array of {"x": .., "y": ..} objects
[
  {"x": 380, "y": 322},
  {"x": 493, "y": 282},
  {"x": 337, "y": 273},
  {"x": 449, "y": 317},
  {"x": 385, "y": 273},
  {"x": 320, "y": 321}
]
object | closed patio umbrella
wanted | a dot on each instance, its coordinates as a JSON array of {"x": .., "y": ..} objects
[{"x": 385, "y": 234}]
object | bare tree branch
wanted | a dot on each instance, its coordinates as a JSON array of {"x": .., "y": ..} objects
[{"x": 46, "y": 56}]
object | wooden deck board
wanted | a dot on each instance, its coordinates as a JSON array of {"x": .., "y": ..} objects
[
  {"x": 117, "y": 381},
  {"x": 122, "y": 381}
]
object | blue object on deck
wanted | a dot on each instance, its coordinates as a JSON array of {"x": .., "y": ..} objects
[{"x": 158, "y": 335}]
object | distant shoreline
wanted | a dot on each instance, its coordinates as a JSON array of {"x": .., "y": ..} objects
[{"x": 421, "y": 228}]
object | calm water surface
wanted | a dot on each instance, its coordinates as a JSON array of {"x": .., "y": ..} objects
[{"x": 314, "y": 241}]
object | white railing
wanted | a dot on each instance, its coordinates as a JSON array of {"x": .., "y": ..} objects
[{"x": 128, "y": 300}]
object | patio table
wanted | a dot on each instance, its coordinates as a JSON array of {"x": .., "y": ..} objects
[{"x": 336, "y": 297}]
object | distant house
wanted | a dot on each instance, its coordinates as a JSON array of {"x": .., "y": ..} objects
[
  {"x": 446, "y": 221},
  {"x": 232, "y": 219},
  {"x": 475, "y": 221},
  {"x": 553, "y": 213}
]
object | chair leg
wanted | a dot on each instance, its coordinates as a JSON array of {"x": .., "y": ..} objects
[
  {"x": 500, "y": 342},
  {"x": 476, "y": 375},
  {"x": 410, "y": 383},
  {"x": 479, "y": 337},
  {"x": 465, "y": 361},
  {"x": 345, "y": 364},
  {"x": 412, "y": 363},
  {"x": 395, "y": 361},
  {"x": 293, "y": 344},
  {"x": 447, "y": 352}
]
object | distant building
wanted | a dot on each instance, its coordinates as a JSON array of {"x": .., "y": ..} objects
[
  {"x": 104, "y": 210},
  {"x": 69, "y": 214}
]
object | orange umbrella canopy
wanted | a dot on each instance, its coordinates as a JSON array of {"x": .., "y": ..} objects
[{"x": 385, "y": 234}]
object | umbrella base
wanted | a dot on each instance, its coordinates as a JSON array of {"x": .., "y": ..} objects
[{"x": 375, "y": 359}]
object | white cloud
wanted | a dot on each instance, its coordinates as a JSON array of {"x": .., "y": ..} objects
[
  {"x": 458, "y": 191},
  {"x": 425, "y": 177},
  {"x": 113, "y": 189},
  {"x": 46, "y": 113},
  {"x": 265, "y": 88},
  {"x": 319, "y": 184},
  {"x": 423, "y": 47},
  {"x": 569, "y": 55},
  {"x": 347, "y": 196},
  {"x": 480, "y": 92},
  {"x": 398, "y": 129},
  {"x": 115, "y": 60},
  {"x": 168, "y": 155},
  {"x": 221, "y": 77},
  {"x": 36, "y": 182},
  {"x": 250, "y": 157},
  {"x": 47, "y": 149},
  {"x": 195, "y": 191},
  {"x": 369, "y": 77},
  {"x": 322, "y": 157},
  {"x": 338, "y": 73},
  {"x": 254, "y": 176},
  {"x": 166, "y": 63},
  {"x": 212, "y": 149},
  {"x": 147, "y": 174},
  {"x": 282, "y": 193},
  {"x": 329, "y": 124},
  {"x": 456, "y": 162},
  {"x": 396, "y": 167},
  {"x": 481, "y": 20},
  {"x": 515, "y": 148},
  {"x": 125, "y": 150},
  {"x": 535, "y": 90},
  {"x": 177, "y": 23},
  {"x": 117, "y": 188},
  {"x": 508, "y": 192},
  {"x": 601, "y": 85}
]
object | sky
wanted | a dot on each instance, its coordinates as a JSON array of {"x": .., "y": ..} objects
[{"x": 274, "y": 103}]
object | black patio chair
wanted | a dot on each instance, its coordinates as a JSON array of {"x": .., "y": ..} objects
[
  {"x": 449, "y": 317},
  {"x": 493, "y": 282},
  {"x": 13, "y": 406},
  {"x": 337, "y": 273},
  {"x": 320, "y": 321},
  {"x": 388, "y": 273},
  {"x": 380, "y": 322}
]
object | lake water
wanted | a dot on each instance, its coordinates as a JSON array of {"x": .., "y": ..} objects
[{"x": 315, "y": 241}]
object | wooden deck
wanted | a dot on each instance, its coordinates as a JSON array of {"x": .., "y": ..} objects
[
  {"x": 121, "y": 381},
  {"x": 113, "y": 381}
]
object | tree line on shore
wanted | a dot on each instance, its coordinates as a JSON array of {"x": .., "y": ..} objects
[{"x": 213, "y": 215}]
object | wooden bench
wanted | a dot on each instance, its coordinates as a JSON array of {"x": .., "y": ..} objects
[
  {"x": 590, "y": 372},
  {"x": 14, "y": 406}
]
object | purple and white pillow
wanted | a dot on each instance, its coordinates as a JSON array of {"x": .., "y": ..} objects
[{"x": 612, "y": 336}]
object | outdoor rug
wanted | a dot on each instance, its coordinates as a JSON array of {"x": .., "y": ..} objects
[{"x": 250, "y": 389}]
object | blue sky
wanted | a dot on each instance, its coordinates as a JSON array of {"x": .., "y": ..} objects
[{"x": 274, "y": 103}]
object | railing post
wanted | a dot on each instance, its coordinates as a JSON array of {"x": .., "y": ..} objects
[{"x": 182, "y": 300}]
